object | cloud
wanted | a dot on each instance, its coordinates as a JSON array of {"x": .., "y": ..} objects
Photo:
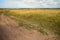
[
  {"x": 40, "y": 2},
  {"x": 31, "y": 3}
]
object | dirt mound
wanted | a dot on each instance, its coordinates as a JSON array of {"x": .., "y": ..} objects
[{"x": 10, "y": 30}]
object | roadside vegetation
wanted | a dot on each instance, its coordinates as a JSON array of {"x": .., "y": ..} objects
[{"x": 40, "y": 21}]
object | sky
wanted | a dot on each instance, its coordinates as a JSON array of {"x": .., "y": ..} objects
[{"x": 29, "y": 3}]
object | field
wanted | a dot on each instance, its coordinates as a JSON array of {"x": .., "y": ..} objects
[{"x": 45, "y": 21}]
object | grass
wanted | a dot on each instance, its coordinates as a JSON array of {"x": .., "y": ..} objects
[{"x": 37, "y": 19}]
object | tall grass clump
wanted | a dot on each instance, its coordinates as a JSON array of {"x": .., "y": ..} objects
[{"x": 57, "y": 24}]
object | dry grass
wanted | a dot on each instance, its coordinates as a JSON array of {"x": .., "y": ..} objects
[
  {"x": 47, "y": 18},
  {"x": 41, "y": 11}
]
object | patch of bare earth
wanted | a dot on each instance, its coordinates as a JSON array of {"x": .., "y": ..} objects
[{"x": 10, "y": 30}]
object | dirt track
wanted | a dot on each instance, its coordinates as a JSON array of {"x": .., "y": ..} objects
[{"x": 10, "y": 30}]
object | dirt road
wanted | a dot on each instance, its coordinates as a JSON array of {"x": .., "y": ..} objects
[{"x": 10, "y": 30}]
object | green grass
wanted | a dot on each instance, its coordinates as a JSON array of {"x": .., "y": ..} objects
[{"x": 37, "y": 20}]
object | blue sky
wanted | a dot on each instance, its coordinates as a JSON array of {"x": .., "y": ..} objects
[{"x": 29, "y": 3}]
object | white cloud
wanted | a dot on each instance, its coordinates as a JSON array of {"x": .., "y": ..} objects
[
  {"x": 32, "y": 3},
  {"x": 40, "y": 2}
]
